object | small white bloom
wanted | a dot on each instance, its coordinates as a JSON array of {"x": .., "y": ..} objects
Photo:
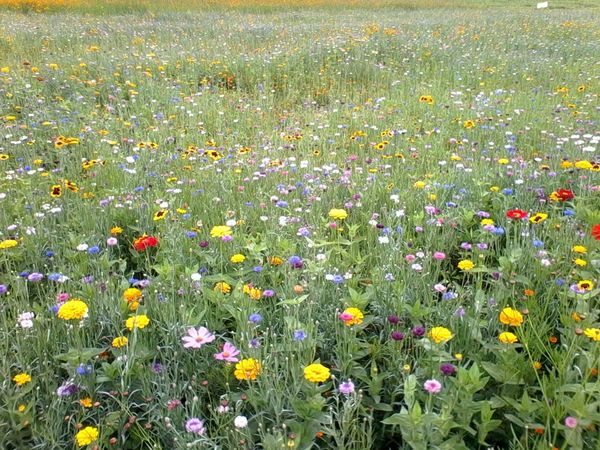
[
  {"x": 240, "y": 422},
  {"x": 82, "y": 247},
  {"x": 196, "y": 276}
]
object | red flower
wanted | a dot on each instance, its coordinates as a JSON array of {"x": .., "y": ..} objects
[
  {"x": 596, "y": 232},
  {"x": 516, "y": 214},
  {"x": 564, "y": 195},
  {"x": 143, "y": 242}
]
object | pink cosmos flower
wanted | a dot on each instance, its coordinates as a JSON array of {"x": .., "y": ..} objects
[
  {"x": 228, "y": 354},
  {"x": 571, "y": 422},
  {"x": 433, "y": 386},
  {"x": 196, "y": 338}
]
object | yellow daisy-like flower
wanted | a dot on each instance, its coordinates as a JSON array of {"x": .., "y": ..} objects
[
  {"x": 237, "y": 258},
  {"x": 586, "y": 165},
  {"x": 468, "y": 124},
  {"x": 222, "y": 287},
  {"x": 159, "y": 215},
  {"x": 440, "y": 335},
  {"x": 592, "y": 333},
  {"x": 485, "y": 222},
  {"x": 579, "y": 249},
  {"x": 317, "y": 373},
  {"x": 508, "y": 338},
  {"x": 247, "y": 369},
  {"x": 86, "y": 436},
  {"x": 509, "y": 316},
  {"x": 132, "y": 294},
  {"x": 580, "y": 262},
  {"x": 8, "y": 243},
  {"x": 538, "y": 218},
  {"x": 140, "y": 322},
  {"x": 466, "y": 264},
  {"x": 120, "y": 341},
  {"x": 338, "y": 214},
  {"x": 116, "y": 230},
  {"x": 74, "y": 309},
  {"x": 586, "y": 285},
  {"x": 86, "y": 402},
  {"x": 22, "y": 378},
  {"x": 419, "y": 184},
  {"x": 352, "y": 316},
  {"x": 220, "y": 231}
]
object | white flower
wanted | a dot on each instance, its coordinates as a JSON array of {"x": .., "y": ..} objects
[
  {"x": 240, "y": 422},
  {"x": 231, "y": 223},
  {"x": 321, "y": 257},
  {"x": 82, "y": 247},
  {"x": 196, "y": 276},
  {"x": 25, "y": 319},
  {"x": 383, "y": 239}
]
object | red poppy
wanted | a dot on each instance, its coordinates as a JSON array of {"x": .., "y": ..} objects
[
  {"x": 564, "y": 195},
  {"x": 596, "y": 232},
  {"x": 143, "y": 242},
  {"x": 516, "y": 214}
]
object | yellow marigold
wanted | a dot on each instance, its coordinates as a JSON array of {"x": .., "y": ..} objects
[
  {"x": 338, "y": 214},
  {"x": 466, "y": 264},
  {"x": 120, "y": 341},
  {"x": 507, "y": 338},
  {"x": 132, "y": 294},
  {"x": 86, "y": 402},
  {"x": 222, "y": 287},
  {"x": 352, "y": 316},
  {"x": 237, "y": 258},
  {"x": 440, "y": 335},
  {"x": 86, "y": 436},
  {"x": 247, "y": 369},
  {"x": 137, "y": 322},
  {"x": 8, "y": 243},
  {"x": 22, "y": 378},
  {"x": 509, "y": 316},
  {"x": 116, "y": 230},
  {"x": 592, "y": 333},
  {"x": 579, "y": 249},
  {"x": 316, "y": 373},
  {"x": 220, "y": 231},
  {"x": 72, "y": 309}
]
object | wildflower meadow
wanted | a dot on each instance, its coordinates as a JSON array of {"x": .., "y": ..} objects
[{"x": 299, "y": 225}]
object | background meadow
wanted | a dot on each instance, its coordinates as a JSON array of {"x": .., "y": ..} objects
[{"x": 359, "y": 227}]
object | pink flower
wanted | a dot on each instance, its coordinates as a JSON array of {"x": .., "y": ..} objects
[
  {"x": 111, "y": 241},
  {"x": 196, "y": 338},
  {"x": 228, "y": 354},
  {"x": 571, "y": 422},
  {"x": 346, "y": 316},
  {"x": 439, "y": 255},
  {"x": 433, "y": 386}
]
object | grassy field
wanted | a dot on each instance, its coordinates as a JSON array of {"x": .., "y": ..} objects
[{"x": 277, "y": 227}]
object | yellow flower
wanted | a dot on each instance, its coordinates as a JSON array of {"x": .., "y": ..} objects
[
  {"x": 237, "y": 258},
  {"x": 247, "y": 369},
  {"x": 458, "y": 356},
  {"x": 72, "y": 309},
  {"x": 132, "y": 294},
  {"x": 275, "y": 261},
  {"x": 586, "y": 285},
  {"x": 507, "y": 338},
  {"x": 316, "y": 373},
  {"x": 8, "y": 243},
  {"x": 538, "y": 217},
  {"x": 116, "y": 230},
  {"x": 537, "y": 365},
  {"x": 86, "y": 402},
  {"x": 468, "y": 124},
  {"x": 338, "y": 214},
  {"x": 485, "y": 222},
  {"x": 86, "y": 436},
  {"x": 120, "y": 341},
  {"x": 509, "y": 316},
  {"x": 583, "y": 165},
  {"x": 21, "y": 408},
  {"x": 137, "y": 322},
  {"x": 220, "y": 231},
  {"x": 419, "y": 184},
  {"x": 592, "y": 333},
  {"x": 580, "y": 262},
  {"x": 503, "y": 161},
  {"x": 21, "y": 379},
  {"x": 579, "y": 249},
  {"x": 159, "y": 215},
  {"x": 352, "y": 316},
  {"x": 222, "y": 287},
  {"x": 440, "y": 335},
  {"x": 466, "y": 264},
  {"x": 426, "y": 99}
]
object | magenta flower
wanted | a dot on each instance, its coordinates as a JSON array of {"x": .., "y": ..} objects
[
  {"x": 196, "y": 338},
  {"x": 228, "y": 354},
  {"x": 346, "y": 387},
  {"x": 195, "y": 425},
  {"x": 433, "y": 386},
  {"x": 571, "y": 422}
]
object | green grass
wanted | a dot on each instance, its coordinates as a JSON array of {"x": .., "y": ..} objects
[{"x": 269, "y": 118}]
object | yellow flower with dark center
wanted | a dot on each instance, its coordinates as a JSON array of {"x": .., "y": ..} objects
[
  {"x": 74, "y": 309},
  {"x": 466, "y": 264},
  {"x": 8, "y": 243},
  {"x": 426, "y": 99},
  {"x": 508, "y": 338},
  {"x": 509, "y": 316},
  {"x": 538, "y": 217},
  {"x": 119, "y": 341},
  {"x": 22, "y": 378},
  {"x": 338, "y": 214},
  {"x": 159, "y": 215},
  {"x": 247, "y": 369},
  {"x": 4, "y": 156},
  {"x": 586, "y": 285},
  {"x": 140, "y": 322},
  {"x": 440, "y": 335},
  {"x": 317, "y": 373},
  {"x": 56, "y": 191},
  {"x": 468, "y": 124},
  {"x": 220, "y": 231},
  {"x": 592, "y": 333},
  {"x": 86, "y": 436}
]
